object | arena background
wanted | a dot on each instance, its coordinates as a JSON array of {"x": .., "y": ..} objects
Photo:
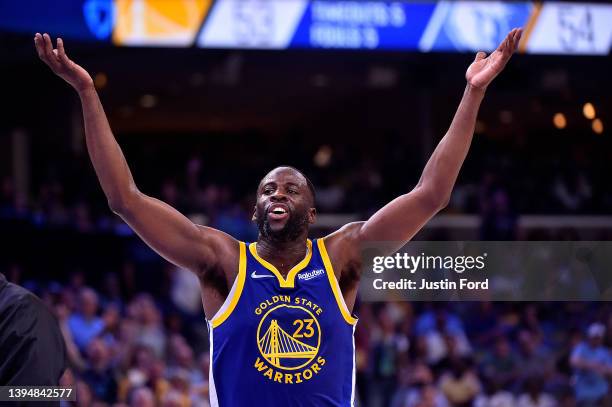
[{"x": 200, "y": 123}]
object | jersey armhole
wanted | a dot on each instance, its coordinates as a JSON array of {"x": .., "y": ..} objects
[
  {"x": 234, "y": 295},
  {"x": 333, "y": 282}
]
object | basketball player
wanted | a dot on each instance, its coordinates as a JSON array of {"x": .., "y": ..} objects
[{"x": 279, "y": 309}]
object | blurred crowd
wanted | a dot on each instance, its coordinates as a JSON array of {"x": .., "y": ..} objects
[
  {"x": 127, "y": 347},
  {"x": 356, "y": 178},
  {"x": 134, "y": 325}
]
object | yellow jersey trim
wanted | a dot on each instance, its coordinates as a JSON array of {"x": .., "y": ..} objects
[
  {"x": 240, "y": 278},
  {"x": 289, "y": 282},
  {"x": 333, "y": 282}
]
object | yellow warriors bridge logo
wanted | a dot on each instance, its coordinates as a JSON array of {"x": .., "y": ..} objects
[{"x": 288, "y": 339}]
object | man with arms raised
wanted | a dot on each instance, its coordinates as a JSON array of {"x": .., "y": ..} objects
[{"x": 279, "y": 309}]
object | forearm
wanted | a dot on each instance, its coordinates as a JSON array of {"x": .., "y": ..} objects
[
  {"x": 106, "y": 156},
  {"x": 442, "y": 169}
]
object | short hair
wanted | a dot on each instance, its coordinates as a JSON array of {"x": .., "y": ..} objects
[{"x": 308, "y": 182}]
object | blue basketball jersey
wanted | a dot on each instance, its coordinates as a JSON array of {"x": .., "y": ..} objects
[{"x": 283, "y": 341}]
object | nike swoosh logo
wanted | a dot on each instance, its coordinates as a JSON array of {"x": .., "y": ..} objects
[{"x": 254, "y": 275}]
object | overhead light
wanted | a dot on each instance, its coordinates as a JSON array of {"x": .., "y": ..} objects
[
  {"x": 589, "y": 111},
  {"x": 597, "y": 126},
  {"x": 480, "y": 127},
  {"x": 148, "y": 101},
  {"x": 100, "y": 80},
  {"x": 559, "y": 120},
  {"x": 323, "y": 156}
]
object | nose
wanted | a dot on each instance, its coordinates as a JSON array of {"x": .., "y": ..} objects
[{"x": 278, "y": 196}]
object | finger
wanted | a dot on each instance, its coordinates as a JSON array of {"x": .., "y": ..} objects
[
  {"x": 513, "y": 39},
  {"x": 51, "y": 57},
  {"x": 519, "y": 34},
  {"x": 508, "y": 44},
  {"x": 501, "y": 46},
  {"x": 61, "y": 52},
  {"x": 505, "y": 43},
  {"x": 480, "y": 55},
  {"x": 38, "y": 43}
]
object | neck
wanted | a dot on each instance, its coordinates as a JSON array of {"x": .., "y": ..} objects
[{"x": 283, "y": 255}]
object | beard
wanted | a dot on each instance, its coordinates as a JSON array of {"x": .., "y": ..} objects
[{"x": 294, "y": 227}]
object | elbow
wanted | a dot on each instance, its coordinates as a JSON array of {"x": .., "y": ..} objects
[
  {"x": 437, "y": 200},
  {"x": 121, "y": 204},
  {"x": 444, "y": 201},
  {"x": 117, "y": 206}
]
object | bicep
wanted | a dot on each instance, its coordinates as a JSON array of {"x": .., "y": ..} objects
[
  {"x": 398, "y": 221},
  {"x": 171, "y": 234},
  {"x": 387, "y": 231}
]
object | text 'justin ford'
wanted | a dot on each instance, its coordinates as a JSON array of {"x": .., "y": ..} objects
[{"x": 446, "y": 284}]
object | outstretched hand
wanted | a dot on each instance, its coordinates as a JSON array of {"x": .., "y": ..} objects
[
  {"x": 60, "y": 64},
  {"x": 484, "y": 69}
]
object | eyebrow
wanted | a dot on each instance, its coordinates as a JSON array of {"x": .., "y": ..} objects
[{"x": 288, "y": 183}]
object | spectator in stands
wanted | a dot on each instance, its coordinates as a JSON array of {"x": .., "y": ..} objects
[
  {"x": 199, "y": 390},
  {"x": 501, "y": 365},
  {"x": 136, "y": 367},
  {"x": 151, "y": 331},
  {"x": 535, "y": 359},
  {"x": 494, "y": 395},
  {"x": 142, "y": 397},
  {"x": 499, "y": 221},
  {"x": 444, "y": 336},
  {"x": 460, "y": 385},
  {"x": 157, "y": 380},
  {"x": 84, "y": 396},
  {"x": 85, "y": 324},
  {"x": 592, "y": 364},
  {"x": 534, "y": 395},
  {"x": 386, "y": 351},
  {"x": 99, "y": 375},
  {"x": 417, "y": 389},
  {"x": 73, "y": 354}
]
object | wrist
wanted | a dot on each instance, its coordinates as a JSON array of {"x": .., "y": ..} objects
[
  {"x": 476, "y": 90},
  {"x": 85, "y": 89}
]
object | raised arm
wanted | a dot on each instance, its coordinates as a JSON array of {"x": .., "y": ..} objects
[
  {"x": 398, "y": 221},
  {"x": 163, "y": 228}
]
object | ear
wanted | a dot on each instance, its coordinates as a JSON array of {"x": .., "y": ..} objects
[
  {"x": 254, "y": 217},
  {"x": 312, "y": 215}
]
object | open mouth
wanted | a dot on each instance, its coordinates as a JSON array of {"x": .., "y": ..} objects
[{"x": 278, "y": 212}]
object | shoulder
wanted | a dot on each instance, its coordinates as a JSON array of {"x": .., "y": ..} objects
[
  {"x": 14, "y": 298},
  {"x": 222, "y": 247},
  {"x": 347, "y": 237},
  {"x": 25, "y": 312},
  {"x": 344, "y": 249},
  {"x": 345, "y": 240}
]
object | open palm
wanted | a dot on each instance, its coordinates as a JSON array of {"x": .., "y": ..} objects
[
  {"x": 60, "y": 64},
  {"x": 484, "y": 69}
]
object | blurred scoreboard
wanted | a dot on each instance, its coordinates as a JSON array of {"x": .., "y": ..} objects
[{"x": 442, "y": 26}]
